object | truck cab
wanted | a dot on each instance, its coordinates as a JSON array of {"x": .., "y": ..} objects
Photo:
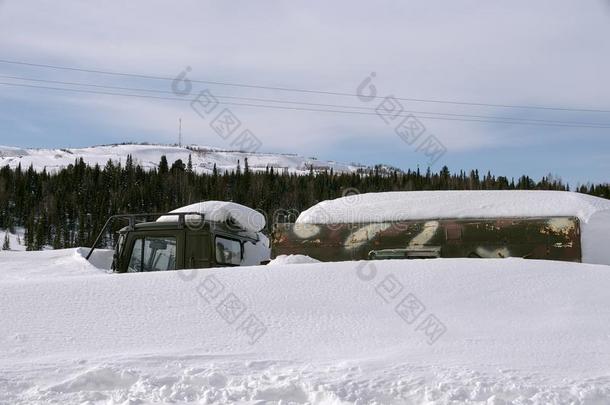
[{"x": 178, "y": 244}]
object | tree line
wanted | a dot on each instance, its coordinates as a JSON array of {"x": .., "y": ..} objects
[{"x": 68, "y": 207}]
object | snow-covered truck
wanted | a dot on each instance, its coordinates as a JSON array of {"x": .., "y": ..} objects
[
  {"x": 210, "y": 234},
  {"x": 395, "y": 225},
  {"x": 432, "y": 224}
]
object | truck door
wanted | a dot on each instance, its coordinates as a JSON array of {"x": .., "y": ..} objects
[
  {"x": 152, "y": 251},
  {"x": 197, "y": 253}
]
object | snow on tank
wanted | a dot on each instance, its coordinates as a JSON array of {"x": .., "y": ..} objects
[{"x": 409, "y": 205}]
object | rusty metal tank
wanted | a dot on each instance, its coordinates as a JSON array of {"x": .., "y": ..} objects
[{"x": 551, "y": 238}]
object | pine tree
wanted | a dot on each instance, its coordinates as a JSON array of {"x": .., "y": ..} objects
[
  {"x": 178, "y": 165},
  {"x": 57, "y": 239},
  {"x": 189, "y": 165},
  {"x": 40, "y": 235},
  {"x": 163, "y": 165},
  {"x": 7, "y": 242},
  {"x": 29, "y": 235}
]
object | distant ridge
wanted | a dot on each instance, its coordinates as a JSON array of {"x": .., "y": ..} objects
[{"x": 148, "y": 156}]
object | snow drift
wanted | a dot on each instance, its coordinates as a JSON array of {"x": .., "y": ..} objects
[
  {"x": 516, "y": 331},
  {"x": 52, "y": 264},
  {"x": 292, "y": 259},
  {"x": 593, "y": 212}
]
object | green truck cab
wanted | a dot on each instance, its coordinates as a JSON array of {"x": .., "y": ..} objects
[{"x": 182, "y": 243}]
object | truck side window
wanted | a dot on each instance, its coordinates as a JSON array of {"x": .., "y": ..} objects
[
  {"x": 135, "y": 262},
  {"x": 228, "y": 251},
  {"x": 159, "y": 254},
  {"x": 153, "y": 254}
]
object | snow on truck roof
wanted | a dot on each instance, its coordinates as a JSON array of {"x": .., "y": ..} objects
[
  {"x": 221, "y": 211},
  {"x": 411, "y": 205}
]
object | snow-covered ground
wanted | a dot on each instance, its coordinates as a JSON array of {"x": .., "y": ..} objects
[
  {"x": 438, "y": 331},
  {"x": 292, "y": 259},
  {"x": 53, "y": 264},
  {"x": 148, "y": 156}
]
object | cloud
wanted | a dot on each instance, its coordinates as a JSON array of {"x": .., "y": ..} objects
[{"x": 545, "y": 53}]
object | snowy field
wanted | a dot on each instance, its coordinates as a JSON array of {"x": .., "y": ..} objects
[
  {"x": 399, "y": 332},
  {"x": 148, "y": 156}
]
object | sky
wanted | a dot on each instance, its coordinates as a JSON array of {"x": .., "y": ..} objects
[{"x": 551, "y": 54}]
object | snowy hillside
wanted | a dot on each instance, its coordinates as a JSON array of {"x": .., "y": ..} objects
[
  {"x": 508, "y": 331},
  {"x": 148, "y": 156}
]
